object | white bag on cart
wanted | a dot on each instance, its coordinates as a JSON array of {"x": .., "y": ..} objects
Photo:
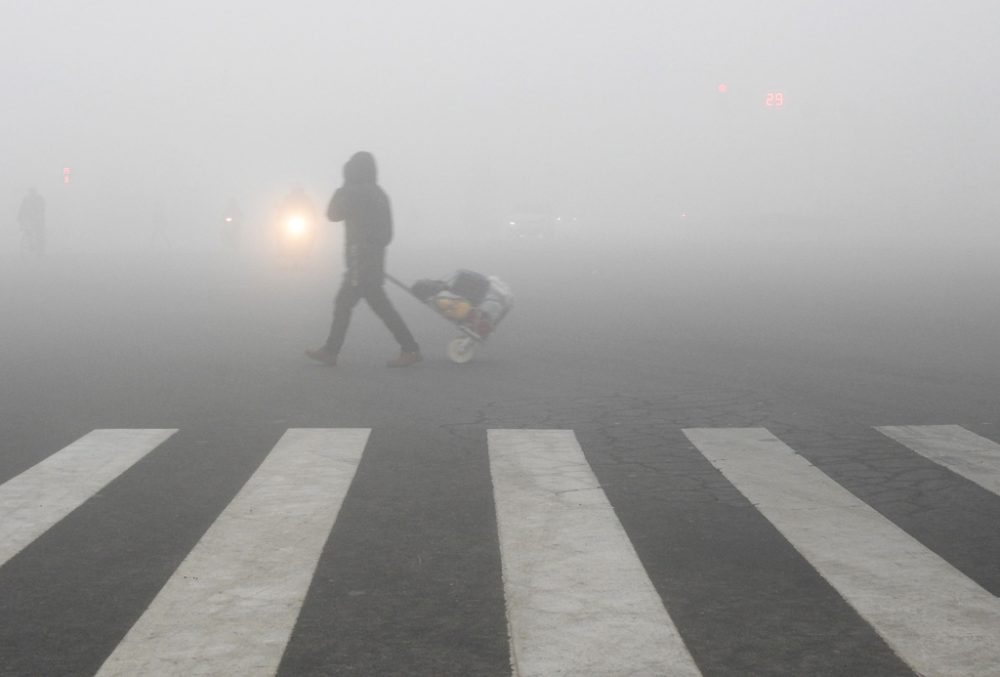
[{"x": 497, "y": 301}]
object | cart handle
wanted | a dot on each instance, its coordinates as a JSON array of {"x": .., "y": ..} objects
[{"x": 399, "y": 284}]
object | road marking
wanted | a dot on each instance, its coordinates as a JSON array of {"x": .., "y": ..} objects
[
  {"x": 936, "y": 619},
  {"x": 32, "y": 502},
  {"x": 230, "y": 607},
  {"x": 578, "y": 599},
  {"x": 964, "y": 453}
]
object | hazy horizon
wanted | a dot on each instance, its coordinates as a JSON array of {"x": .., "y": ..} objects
[{"x": 607, "y": 111}]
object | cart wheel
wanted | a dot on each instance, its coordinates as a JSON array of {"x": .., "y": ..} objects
[{"x": 461, "y": 350}]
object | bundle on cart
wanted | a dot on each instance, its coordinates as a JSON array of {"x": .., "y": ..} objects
[{"x": 473, "y": 302}]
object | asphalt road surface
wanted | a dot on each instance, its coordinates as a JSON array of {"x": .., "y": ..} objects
[{"x": 772, "y": 454}]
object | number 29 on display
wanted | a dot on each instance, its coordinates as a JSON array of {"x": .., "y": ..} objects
[{"x": 774, "y": 99}]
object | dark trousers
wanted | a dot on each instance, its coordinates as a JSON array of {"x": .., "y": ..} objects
[{"x": 365, "y": 280}]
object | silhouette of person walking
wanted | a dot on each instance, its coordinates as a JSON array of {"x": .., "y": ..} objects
[
  {"x": 31, "y": 218},
  {"x": 364, "y": 208}
]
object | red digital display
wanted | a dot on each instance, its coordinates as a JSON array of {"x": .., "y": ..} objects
[{"x": 774, "y": 99}]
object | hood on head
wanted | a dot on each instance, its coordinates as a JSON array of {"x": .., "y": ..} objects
[{"x": 360, "y": 168}]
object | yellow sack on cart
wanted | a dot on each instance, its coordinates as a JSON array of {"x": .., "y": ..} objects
[{"x": 455, "y": 309}]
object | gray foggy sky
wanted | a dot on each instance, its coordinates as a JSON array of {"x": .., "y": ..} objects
[{"x": 608, "y": 109}]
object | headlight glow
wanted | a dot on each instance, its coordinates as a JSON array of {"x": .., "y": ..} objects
[{"x": 296, "y": 226}]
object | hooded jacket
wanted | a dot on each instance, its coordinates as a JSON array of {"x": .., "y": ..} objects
[{"x": 363, "y": 207}]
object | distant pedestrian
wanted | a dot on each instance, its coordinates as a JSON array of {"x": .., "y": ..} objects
[
  {"x": 31, "y": 218},
  {"x": 364, "y": 208}
]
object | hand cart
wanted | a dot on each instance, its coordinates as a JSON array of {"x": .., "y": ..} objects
[{"x": 473, "y": 303}]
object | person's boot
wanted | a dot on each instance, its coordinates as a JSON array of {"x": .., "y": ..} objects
[
  {"x": 323, "y": 355},
  {"x": 405, "y": 359}
]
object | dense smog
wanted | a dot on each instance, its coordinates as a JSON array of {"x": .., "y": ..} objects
[{"x": 695, "y": 303}]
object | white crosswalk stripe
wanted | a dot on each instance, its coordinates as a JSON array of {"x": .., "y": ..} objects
[
  {"x": 230, "y": 607},
  {"x": 936, "y": 619},
  {"x": 963, "y": 452},
  {"x": 578, "y": 599},
  {"x": 33, "y": 501}
]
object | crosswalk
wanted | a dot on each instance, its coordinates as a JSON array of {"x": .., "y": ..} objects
[
  {"x": 578, "y": 599},
  {"x": 38, "y": 498},
  {"x": 936, "y": 619},
  {"x": 231, "y": 605}
]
